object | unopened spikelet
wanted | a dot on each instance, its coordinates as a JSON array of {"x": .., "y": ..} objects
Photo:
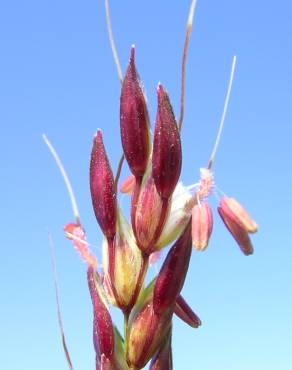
[
  {"x": 103, "y": 331},
  {"x": 202, "y": 225},
  {"x": 167, "y": 154},
  {"x": 173, "y": 272},
  {"x": 102, "y": 187},
  {"x": 134, "y": 121}
]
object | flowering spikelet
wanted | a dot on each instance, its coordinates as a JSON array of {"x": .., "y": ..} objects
[{"x": 127, "y": 263}]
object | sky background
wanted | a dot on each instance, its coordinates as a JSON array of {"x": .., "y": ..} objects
[{"x": 57, "y": 77}]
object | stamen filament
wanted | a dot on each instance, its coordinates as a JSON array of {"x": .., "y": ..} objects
[{"x": 218, "y": 137}]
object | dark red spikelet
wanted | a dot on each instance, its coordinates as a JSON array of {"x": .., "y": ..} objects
[
  {"x": 134, "y": 121},
  {"x": 172, "y": 274},
  {"x": 185, "y": 313},
  {"x": 102, "y": 188},
  {"x": 167, "y": 153},
  {"x": 103, "y": 331}
]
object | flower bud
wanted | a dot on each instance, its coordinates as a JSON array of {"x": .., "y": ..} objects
[
  {"x": 102, "y": 188},
  {"x": 127, "y": 263},
  {"x": 185, "y": 313},
  {"x": 128, "y": 185},
  {"x": 163, "y": 358},
  {"x": 173, "y": 272},
  {"x": 167, "y": 154},
  {"x": 134, "y": 121},
  {"x": 237, "y": 231},
  {"x": 202, "y": 225},
  {"x": 236, "y": 212},
  {"x": 103, "y": 331}
]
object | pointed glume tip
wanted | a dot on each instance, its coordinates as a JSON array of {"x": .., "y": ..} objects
[
  {"x": 132, "y": 58},
  {"x": 98, "y": 134},
  {"x": 160, "y": 89},
  {"x": 161, "y": 93}
]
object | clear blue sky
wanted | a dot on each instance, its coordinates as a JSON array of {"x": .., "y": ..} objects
[{"x": 57, "y": 76}]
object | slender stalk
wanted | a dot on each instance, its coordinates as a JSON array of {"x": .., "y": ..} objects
[
  {"x": 119, "y": 170},
  {"x": 227, "y": 98},
  {"x": 119, "y": 70},
  {"x": 112, "y": 41},
  {"x": 57, "y": 295},
  {"x": 65, "y": 178},
  {"x": 184, "y": 62}
]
